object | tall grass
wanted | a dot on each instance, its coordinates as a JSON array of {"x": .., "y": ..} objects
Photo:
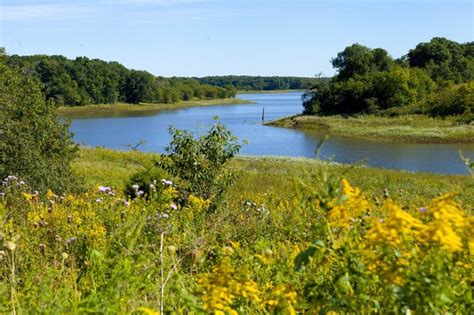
[
  {"x": 288, "y": 237},
  {"x": 277, "y": 176}
]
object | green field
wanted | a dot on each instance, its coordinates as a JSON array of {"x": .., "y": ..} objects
[
  {"x": 412, "y": 128},
  {"x": 277, "y": 176},
  {"x": 126, "y": 109}
]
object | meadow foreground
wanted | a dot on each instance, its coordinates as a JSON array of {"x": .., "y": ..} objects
[{"x": 290, "y": 236}]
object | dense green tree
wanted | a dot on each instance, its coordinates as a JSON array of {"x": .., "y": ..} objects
[
  {"x": 92, "y": 81},
  {"x": 359, "y": 60},
  {"x": 259, "y": 83},
  {"x": 453, "y": 100},
  {"x": 34, "y": 144},
  {"x": 445, "y": 60},
  {"x": 139, "y": 87},
  {"x": 57, "y": 83},
  {"x": 399, "y": 87},
  {"x": 170, "y": 95},
  {"x": 369, "y": 93},
  {"x": 369, "y": 81}
]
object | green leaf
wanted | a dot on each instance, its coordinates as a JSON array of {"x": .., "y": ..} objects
[{"x": 304, "y": 257}]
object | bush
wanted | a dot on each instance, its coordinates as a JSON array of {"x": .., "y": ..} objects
[
  {"x": 202, "y": 163},
  {"x": 454, "y": 100},
  {"x": 143, "y": 181},
  {"x": 34, "y": 144}
]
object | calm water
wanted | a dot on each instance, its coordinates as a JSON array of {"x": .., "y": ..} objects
[{"x": 245, "y": 123}]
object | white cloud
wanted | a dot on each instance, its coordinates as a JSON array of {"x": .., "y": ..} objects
[{"x": 40, "y": 11}]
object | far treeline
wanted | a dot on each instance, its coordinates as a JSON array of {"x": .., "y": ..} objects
[
  {"x": 434, "y": 78},
  {"x": 258, "y": 83},
  {"x": 85, "y": 81}
]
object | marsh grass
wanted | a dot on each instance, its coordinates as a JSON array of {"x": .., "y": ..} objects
[
  {"x": 101, "y": 166},
  {"x": 409, "y": 128},
  {"x": 276, "y": 176},
  {"x": 121, "y": 109}
]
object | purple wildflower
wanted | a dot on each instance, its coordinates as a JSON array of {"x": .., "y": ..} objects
[
  {"x": 105, "y": 189},
  {"x": 166, "y": 182}
]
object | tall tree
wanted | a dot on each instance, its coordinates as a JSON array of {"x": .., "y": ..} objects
[
  {"x": 359, "y": 60},
  {"x": 444, "y": 59},
  {"x": 34, "y": 144}
]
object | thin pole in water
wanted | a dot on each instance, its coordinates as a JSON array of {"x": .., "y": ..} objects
[{"x": 263, "y": 114}]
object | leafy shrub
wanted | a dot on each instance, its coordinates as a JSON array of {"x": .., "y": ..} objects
[
  {"x": 202, "y": 163},
  {"x": 34, "y": 144},
  {"x": 453, "y": 100},
  {"x": 141, "y": 182}
]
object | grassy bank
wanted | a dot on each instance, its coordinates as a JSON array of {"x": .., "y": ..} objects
[
  {"x": 125, "y": 109},
  {"x": 277, "y": 176},
  {"x": 416, "y": 129}
]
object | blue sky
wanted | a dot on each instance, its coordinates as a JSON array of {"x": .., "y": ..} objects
[{"x": 217, "y": 37}]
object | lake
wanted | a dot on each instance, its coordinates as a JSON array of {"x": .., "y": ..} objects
[{"x": 245, "y": 121}]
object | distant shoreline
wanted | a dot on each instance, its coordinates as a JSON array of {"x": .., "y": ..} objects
[
  {"x": 126, "y": 108},
  {"x": 267, "y": 91}
]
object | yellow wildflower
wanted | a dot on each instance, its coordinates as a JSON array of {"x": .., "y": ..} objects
[
  {"x": 395, "y": 229},
  {"x": 444, "y": 207},
  {"x": 27, "y": 196},
  {"x": 148, "y": 311},
  {"x": 264, "y": 259},
  {"x": 197, "y": 204},
  {"x": 447, "y": 219},
  {"x": 353, "y": 205},
  {"x": 283, "y": 300},
  {"x": 224, "y": 287},
  {"x": 471, "y": 245},
  {"x": 50, "y": 195}
]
